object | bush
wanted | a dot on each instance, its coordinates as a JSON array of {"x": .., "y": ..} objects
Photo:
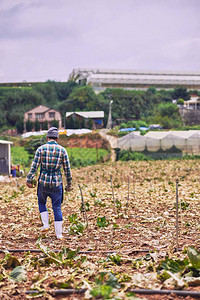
[
  {"x": 125, "y": 155},
  {"x": 133, "y": 124},
  {"x": 167, "y": 115},
  {"x": 32, "y": 144},
  {"x": 180, "y": 101}
]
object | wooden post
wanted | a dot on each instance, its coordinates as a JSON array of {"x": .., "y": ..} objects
[
  {"x": 113, "y": 193},
  {"x": 83, "y": 210},
  {"x": 134, "y": 186},
  {"x": 97, "y": 152},
  {"x": 177, "y": 229},
  {"x": 181, "y": 219},
  {"x": 127, "y": 203}
]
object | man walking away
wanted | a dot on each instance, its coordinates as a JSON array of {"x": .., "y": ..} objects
[{"x": 51, "y": 157}]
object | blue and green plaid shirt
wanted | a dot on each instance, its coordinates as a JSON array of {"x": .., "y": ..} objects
[{"x": 51, "y": 157}]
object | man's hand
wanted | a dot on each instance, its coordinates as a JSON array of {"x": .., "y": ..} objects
[
  {"x": 68, "y": 188},
  {"x": 29, "y": 185}
]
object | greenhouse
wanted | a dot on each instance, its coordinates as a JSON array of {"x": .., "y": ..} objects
[
  {"x": 186, "y": 142},
  {"x": 100, "y": 79},
  {"x": 135, "y": 142}
]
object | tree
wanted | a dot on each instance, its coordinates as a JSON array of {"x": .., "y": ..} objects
[
  {"x": 63, "y": 89},
  {"x": 180, "y": 101},
  {"x": 167, "y": 115},
  {"x": 55, "y": 123},
  {"x": 45, "y": 125},
  {"x": 152, "y": 90},
  {"x": 181, "y": 92},
  {"x": 29, "y": 125},
  {"x": 32, "y": 144},
  {"x": 126, "y": 104},
  {"x": 3, "y": 120},
  {"x": 167, "y": 109},
  {"x": 15, "y": 103},
  {"x": 37, "y": 125},
  {"x": 82, "y": 99},
  {"x": 20, "y": 126},
  {"x": 47, "y": 91}
]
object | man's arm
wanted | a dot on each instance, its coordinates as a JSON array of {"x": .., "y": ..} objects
[
  {"x": 33, "y": 169},
  {"x": 67, "y": 171}
]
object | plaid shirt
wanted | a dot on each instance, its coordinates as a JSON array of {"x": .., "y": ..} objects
[{"x": 51, "y": 157}]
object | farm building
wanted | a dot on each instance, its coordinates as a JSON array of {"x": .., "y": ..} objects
[
  {"x": 43, "y": 114},
  {"x": 193, "y": 103},
  {"x": 85, "y": 116},
  {"x": 5, "y": 157},
  {"x": 155, "y": 141}
]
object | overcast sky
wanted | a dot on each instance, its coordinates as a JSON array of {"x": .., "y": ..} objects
[{"x": 46, "y": 39}]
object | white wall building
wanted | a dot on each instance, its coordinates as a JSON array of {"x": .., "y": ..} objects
[
  {"x": 5, "y": 157},
  {"x": 193, "y": 103}
]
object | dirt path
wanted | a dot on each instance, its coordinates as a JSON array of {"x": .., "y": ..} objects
[{"x": 112, "y": 140}]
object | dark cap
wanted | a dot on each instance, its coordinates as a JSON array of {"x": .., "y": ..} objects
[{"x": 53, "y": 133}]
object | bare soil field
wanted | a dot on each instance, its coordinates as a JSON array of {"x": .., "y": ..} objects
[{"x": 131, "y": 229}]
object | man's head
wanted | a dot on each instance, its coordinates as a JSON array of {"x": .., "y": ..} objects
[{"x": 52, "y": 133}]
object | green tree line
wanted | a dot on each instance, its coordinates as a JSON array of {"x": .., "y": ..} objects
[{"x": 151, "y": 106}]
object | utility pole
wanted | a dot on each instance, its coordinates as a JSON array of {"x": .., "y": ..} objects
[{"x": 109, "y": 124}]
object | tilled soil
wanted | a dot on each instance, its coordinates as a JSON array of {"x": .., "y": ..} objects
[{"x": 136, "y": 203}]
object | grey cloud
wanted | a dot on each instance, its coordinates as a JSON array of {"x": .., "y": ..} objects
[
  {"x": 52, "y": 37},
  {"x": 48, "y": 32}
]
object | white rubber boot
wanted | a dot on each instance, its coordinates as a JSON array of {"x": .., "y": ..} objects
[
  {"x": 45, "y": 220},
  {"x": 58, "y": 229}
]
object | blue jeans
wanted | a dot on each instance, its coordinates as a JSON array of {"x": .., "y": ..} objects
[{"x": 56, "y": 195}]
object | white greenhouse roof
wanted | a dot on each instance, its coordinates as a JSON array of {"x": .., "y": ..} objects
[
  {"x": 120, "y": 71},
  {"x": 142, "y": 78},
  {"x": 132, "y": 135},
  {"x": 157, "y": 134},
  {"x": 173, "y": 134},
  {"x": 87, "y": 114},
  {"x": 186, "y": 141},
  {"x": 195, "y": 134},
  {"x": 5, "y": 142}
]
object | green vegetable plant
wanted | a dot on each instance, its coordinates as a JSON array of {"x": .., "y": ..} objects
[
  {"x": 184, "y": 272},
  {"x": 116, "y": 259},
  {"x": 76, "y": 226},
  {"x": 64, "y": 257},
  {"x": 106, "y": 283},
  {"x": 102, "y": 222}
]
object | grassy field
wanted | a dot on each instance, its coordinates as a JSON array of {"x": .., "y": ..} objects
[
  {"x": 15, "y": 87},
  {"x": 77, "y": 156},
  {"x": 86, "y": 156},
  {"x": 19, "y": 156}
]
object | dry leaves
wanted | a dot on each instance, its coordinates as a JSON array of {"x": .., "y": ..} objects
[{"x": 143, "y": 220}]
